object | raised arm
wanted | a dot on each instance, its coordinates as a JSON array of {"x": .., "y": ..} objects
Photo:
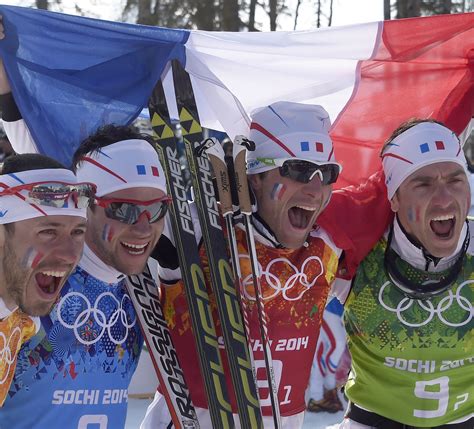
[
  {"x": 356, "y": 219},
  {"x": 13, "y": 123}
]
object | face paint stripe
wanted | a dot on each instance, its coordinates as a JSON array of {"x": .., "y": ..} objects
[
  {"x": 278, "y": 191},
  {"x": 107, "y": 233},
  {"x": 32, "y": 258},
  {"x": 417, "y": 214}
]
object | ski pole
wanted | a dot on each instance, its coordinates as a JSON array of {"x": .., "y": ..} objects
[
  {"x": 216, "y": 155},
  {"x": 241, "y": 144}
]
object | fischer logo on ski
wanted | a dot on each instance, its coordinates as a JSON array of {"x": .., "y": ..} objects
[
  {"x": 200, "y": 312},
  {"x": 179, "y": 190},
  {"x": 222, "y": 279}
]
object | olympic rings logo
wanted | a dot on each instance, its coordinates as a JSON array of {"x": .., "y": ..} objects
[
  {"x": 7, "y": 357},
  {"x": 295, "y": 286},
  {"x": 431, "y": 310},
  {"x": 94, "y": 313}
]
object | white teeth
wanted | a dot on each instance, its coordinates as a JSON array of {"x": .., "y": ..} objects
[
  {"x": 138, "y": 249},
  {"x": 140, "y": 252},
  {"x": 444, "y": 217},
  {"x": 54, "y": 273},
  {"x": 311, "y": 209},
  {"x": 135, "y": 246}
]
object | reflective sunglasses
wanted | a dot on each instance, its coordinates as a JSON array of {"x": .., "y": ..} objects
[
  {"x": 304, "y": 171},
  {"x": 129, "y": 211},
  {"x": 54, "y": 194}
]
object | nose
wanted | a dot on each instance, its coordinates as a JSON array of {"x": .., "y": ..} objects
[
  {"x": 442, "y": 196},
  {"x": 314, "y": 187},
  {"x": 142, "y": 225},
  {"x": 69, "y": 249}
]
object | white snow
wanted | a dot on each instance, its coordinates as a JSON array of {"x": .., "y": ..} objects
[{"x": 137, "y": 409}]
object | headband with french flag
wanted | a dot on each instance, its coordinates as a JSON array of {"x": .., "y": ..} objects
[
  {"x": 286, "y": 130},
  {"x": 423, "y": 144},
  {"x": 123, "y": 165},
  {"x": 15, "y": 207}
]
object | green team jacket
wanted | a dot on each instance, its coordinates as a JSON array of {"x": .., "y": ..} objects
[{"x": 412, "y": 361}]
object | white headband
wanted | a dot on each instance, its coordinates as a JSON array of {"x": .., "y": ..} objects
[
  {"x": 122, "y": 165},
  {"x": 13, "y": 208},
  {"x": 421, "y": 145},
  {"x": 287, "y": 130}
]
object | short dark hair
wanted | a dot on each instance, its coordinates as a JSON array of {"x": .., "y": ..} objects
[
  {"x": 105, "y": 136},
  {"x": 406, "y": 126},
  {"x": 29, "y": 161}
]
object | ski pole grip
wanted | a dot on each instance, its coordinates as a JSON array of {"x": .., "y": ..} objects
[
  {"x": 216, "y": 156},
  {"x": 240, "y": 169}
]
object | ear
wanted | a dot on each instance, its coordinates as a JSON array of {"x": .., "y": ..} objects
[
  {"x": 255, "y": 181},
  {"x": 395, "y": 203}
]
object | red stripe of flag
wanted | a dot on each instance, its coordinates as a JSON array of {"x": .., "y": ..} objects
[{"x": 427, "y": 76}]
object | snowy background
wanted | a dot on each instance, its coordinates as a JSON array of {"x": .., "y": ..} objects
[
  {"x": 137, "y": 409},
  {"x": 144, "y": 383}
]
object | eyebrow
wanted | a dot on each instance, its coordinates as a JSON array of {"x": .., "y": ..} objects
[
  {"x": 59, "y": 225},
  {"x": 430, "y": 178}
]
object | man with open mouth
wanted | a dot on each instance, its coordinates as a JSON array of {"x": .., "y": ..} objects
[
  {"x": 42, "y": 228},
  {"x": 409, "y": 315},
  {"x": 291, "y": 173},
  {"x": 76, "y": 370}
]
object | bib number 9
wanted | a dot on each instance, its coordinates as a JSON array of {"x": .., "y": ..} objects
[{"x": 440, "y": 394}]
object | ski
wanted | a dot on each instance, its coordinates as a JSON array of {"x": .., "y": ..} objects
[
  {"x": 222, "y": 279},
  {"x": 206, "y": 340},
  {"x": 144, "y": 294}
]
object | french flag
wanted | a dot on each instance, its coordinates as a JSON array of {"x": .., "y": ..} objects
[{"x": 369, "y": 77}]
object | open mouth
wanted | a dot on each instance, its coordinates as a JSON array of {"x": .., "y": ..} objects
[
  {"x": 301, "y": 216},
  {"x": 49, "y": 281},
  {"x": 443, "y": 226},
  {"x": 134, "y": 249}
]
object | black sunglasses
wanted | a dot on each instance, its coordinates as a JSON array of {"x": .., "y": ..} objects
[
  {"x": 128, "y": 211},
  {"x": 304, "y": 171}
]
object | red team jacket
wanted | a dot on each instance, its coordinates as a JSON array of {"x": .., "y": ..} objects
[{"x": 295, "y": 285}]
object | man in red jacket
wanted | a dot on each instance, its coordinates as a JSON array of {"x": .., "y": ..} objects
[{"x": 291, "y": 174}]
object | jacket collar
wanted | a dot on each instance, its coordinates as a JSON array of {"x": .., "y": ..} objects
[
  {"x": 93, "y": 265},
  {"x": 417, "y": 256}
]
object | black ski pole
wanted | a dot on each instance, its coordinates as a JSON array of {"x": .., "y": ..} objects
[{"x": 241, "y": 144}]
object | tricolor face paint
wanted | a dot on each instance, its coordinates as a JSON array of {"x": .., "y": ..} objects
[
  {"x": 32, "y": 258},
  {"x": 278, "y": 191},
  {"x": 39, "y": 254},
  {"x": 288, "y": 207},
  {"x": 107, "y": 233},
  {"x": 122, "y": 246},
  {"x": 432, "y": 205}
]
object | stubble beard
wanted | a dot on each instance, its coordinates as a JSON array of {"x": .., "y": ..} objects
[
  {"x": 108, "y": 257},
  {"x": 16, "y": 279}
]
